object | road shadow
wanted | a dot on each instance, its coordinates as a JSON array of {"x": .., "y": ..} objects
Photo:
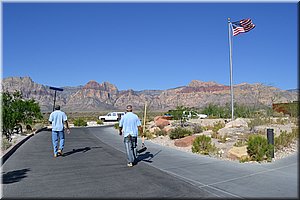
[
  {"x": 144, "y": 157},
  {"x": 83, "y": 150},
  {"x": 14, "y": 176}
]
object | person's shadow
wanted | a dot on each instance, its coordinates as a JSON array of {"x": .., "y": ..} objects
[
  {"x": 146, "y": 157},
  {"x": 83, "y": 150},
  {"x": 14, "y": 176}
]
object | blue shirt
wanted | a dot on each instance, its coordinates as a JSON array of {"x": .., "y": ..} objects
[
  {"x": 129, "y": 123},
  {"x": 57, "y": 118}
]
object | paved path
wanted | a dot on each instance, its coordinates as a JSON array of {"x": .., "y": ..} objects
[{"x": 94, "y": 165}]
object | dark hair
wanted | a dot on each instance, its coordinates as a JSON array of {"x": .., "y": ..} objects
[
  {"x": 57, "y": 107},
  {"x": 129, "y": 107}
]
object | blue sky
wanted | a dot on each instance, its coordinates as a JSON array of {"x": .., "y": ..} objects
[{"x": 149, "y": 45}]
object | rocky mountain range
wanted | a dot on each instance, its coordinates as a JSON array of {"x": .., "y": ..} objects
[{"x": 105, "y": 96}]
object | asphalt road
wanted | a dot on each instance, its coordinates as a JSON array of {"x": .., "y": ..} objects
[
  {"x": 94, "y": 166},
  {"x": 88, "y": 169}
]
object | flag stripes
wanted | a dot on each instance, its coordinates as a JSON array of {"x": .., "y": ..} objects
[{"x": 242, "y": 26}]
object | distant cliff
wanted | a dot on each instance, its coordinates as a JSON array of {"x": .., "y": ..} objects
[{"x": 105, "y": 96}]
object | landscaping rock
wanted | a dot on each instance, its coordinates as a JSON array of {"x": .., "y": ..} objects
[
  {"x": 238, "y": 123},
  {"x": 237, "y": 153},
  {"x": 185, "y": 142},
  {"x": 161, "y": 123}
]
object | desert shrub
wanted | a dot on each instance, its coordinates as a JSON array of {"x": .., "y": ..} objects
[
  {"x": 244, "y": 159},
  {"x": 215, "y": 111},
  {"x": 282, "y": 120},
  {"x": 285, "y": 139},
  {"x": 147, "y": 134},
  {"x": 99, "y": 121},
  {"x": 240, "y": 143},
  {"x": 5, "y": 144},
  {"x": 257, "y": 121},
  {"x": 116, "y": 126},
  {"x": 217, "y": 126},
  {"x": 160, "y": 132},
  {"x": 178, "y": 112},
  {"x": 179, "y": 133},
  {"x": 197, "y": 129},
  {"x": 258, "y": 148},
  {"x": 222, "y": 139},
  {"x": 80, "y": 122},
  {"x": 202, "y": 144}
]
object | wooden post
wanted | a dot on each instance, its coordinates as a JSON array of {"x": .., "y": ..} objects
[{"x": 144, "y": 126}]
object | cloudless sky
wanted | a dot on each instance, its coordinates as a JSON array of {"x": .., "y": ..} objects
[{"x": 149, "y": 45}]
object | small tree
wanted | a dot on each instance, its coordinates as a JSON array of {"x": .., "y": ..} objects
[{"x": 16, "y": 110}]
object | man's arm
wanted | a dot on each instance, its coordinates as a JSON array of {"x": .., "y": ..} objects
[
  {"x": 68, "y": 128},
  {"x": 120, "y": 130},
  {"x": 143, "y": 138}
]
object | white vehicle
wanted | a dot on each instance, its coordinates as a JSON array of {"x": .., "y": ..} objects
[
  {"x": 193, "y": 114},
  {"x": 201, "y": 116},
  {"x": 112, "y": 116}
]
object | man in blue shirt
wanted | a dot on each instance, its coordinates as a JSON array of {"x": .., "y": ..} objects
[
  {"x": 57, "y": 119},
  {"x": 130, "y": 125}
]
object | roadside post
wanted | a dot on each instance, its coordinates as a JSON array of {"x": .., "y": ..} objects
[
  {"x": 270, "y": 136},
  {"x": 55, "y": 89}
]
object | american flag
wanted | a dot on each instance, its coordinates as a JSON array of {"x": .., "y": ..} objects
[{"x": 242, "y": 26}]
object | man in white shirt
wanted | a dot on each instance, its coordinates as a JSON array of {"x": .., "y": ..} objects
[
  {"x": 129, "y": 126},
  {"x": 57, "y": 119}
]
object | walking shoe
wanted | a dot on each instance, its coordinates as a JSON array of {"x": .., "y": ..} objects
[
  {"x": 55, "y": 155},
  {"x": 129, "y": 165},
  {"x": 59, "y": 152}
]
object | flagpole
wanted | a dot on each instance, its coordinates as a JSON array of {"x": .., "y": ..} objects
[{"x": 231, "y": 84}]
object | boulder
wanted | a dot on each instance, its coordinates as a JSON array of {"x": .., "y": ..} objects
[
  {"x": 238, "y": 123},
  {"x": 156, "y": 118},
  {"x": 185, "y": 142},
  {"x": 237, "y": 153},
  {"x": 161, "y": 123}
]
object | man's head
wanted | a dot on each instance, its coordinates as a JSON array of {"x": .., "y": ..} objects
[
  {"x": 57, "y": 107},
  {"x": 129, "y": 108}
]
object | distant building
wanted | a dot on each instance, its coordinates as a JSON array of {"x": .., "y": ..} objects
[{"x": 291, "y": 108}]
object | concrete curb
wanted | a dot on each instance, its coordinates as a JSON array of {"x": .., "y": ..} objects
[{"x": 13, "y": 148}]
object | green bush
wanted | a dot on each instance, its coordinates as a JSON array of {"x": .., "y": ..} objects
[
  {"x": 258, "y": 148},
  {"x": 147, "y": 135},
  {"x": 116, "y": 125},
  {"x": 17, "y": 110},
  {"x": 285, "y": 139},
  {"x": 240, "y": 111},
  {"x": 197, "y": 129},
  {"x": 217, "y": 126},
  {"x": 202, "y": 144},
  {"x": 99, "y": 121},
  {"x": 80, "y": 122},
  {"x": 179, "y": 133},
  {"x": 161, "y": 132}
]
